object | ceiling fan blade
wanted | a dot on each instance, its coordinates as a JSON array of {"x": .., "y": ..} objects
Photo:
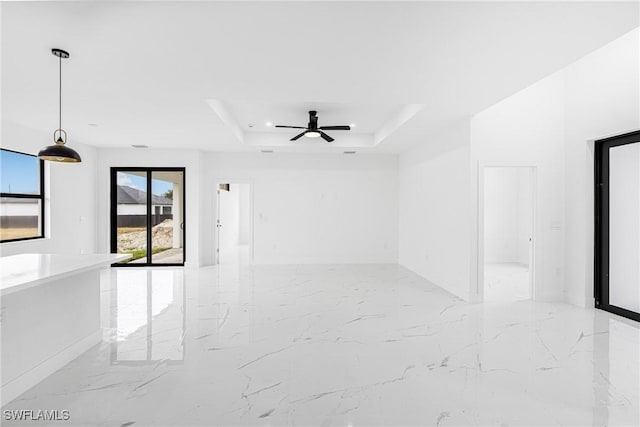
[
  {"x": 298, "y": 136},
  {"x": 326, "y": 137},
  {"x": 342, "y": 127},
  {"x": 290, "y": 127}
]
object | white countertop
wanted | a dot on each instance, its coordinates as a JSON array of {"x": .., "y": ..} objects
[{"x": 19, "y": 272}]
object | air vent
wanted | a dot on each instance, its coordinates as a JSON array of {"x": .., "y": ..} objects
[
  {"x": 139, "y": 146},
  {"x": 349, "y": 152},
  {"x": 266, "y": 151}
]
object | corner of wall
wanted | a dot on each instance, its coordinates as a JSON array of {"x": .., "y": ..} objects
[{"x": 434, "y": 201}]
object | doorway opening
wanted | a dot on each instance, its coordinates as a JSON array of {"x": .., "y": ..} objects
[
  {"x": 148, "y": 215},
  {"x": 508, "y": 233},
  {"x": 233, "y": 224}
]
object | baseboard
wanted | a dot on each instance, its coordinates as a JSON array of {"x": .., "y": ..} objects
[
  {"x": 33, "y": 376},
  {"x": 584, "y": 302},
  {"x": 321, "y": 261},
  {"x": 589, "y": 302},
  {"x": 548, "y": 295}
]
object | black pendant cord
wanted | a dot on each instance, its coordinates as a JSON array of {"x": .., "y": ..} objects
[{"x": 60, "y": 95}]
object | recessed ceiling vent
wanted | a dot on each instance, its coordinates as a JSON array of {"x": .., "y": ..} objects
[{"x": 139, "y": 146}]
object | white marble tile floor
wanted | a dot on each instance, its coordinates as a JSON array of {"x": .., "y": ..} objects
[
  {"x": 338, "y": 345},
  {"x": 506, "y": 282}
]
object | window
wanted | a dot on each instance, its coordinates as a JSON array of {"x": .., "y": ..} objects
[
  {"x": 140, "y": 223},
  {"x": 21, "y": 196}
]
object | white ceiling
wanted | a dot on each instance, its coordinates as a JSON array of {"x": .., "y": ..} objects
[
  {"x": 253, "y": 122},
  {"x": 367, "y": 118},
  {"x": 144, "y": 72}
]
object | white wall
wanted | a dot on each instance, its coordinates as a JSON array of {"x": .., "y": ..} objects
[
  {"x": 307, "y": 208},
  {"x": 507, "y": 215},
  {"x": 244, "y": 214},
  {"x": 70, "y": 219},
  {"x": 435, "y": 210},
  {"x": 316, "y": 208},
  {"x": 550, "y": 125},
  {"x": 602, "y": 99},
  {"x": 128, "y": 157},
  {"x": 527, "y": 129}
]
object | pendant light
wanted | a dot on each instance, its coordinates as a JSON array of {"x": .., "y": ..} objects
[{"x": 59, "y": 152}]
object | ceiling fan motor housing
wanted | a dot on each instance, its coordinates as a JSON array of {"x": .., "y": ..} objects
[{"x": 313, "y": 119}]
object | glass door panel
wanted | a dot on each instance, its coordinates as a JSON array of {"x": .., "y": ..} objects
[
  {"x": 167, "y": 219},
  {"x": 624, "y": 227},
  {"x": 131, "y": 215}
]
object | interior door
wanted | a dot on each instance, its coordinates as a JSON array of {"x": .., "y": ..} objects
[
  {"x": 618, "y": 225},
  {"x": 220, "y": 189}
]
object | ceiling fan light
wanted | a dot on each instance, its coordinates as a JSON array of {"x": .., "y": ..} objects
[{"x": 312, "y": 134}]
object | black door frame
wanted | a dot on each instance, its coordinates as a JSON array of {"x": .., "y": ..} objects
[
  {"x": 113, "y": 229},
  {"x": 601, "y": 252}
]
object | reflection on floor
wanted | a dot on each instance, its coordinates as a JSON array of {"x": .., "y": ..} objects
[
  {"x": 234, "y": 255},
  {"x": 148, "y": 314},
  {"x": 339, "y": 345},
  {"x": 506, "y": 282}
]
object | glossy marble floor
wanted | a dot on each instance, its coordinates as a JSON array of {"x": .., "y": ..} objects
[
  {"x": 505, "y": 282},
  {"x": 339, "y": 345}
]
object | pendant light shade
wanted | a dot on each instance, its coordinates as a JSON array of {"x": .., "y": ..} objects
[{"x": 59, "y": 152}]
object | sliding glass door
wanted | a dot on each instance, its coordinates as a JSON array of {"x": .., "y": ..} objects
[
  {"x": 618, "y": 225},
  {"x": 148, "y": 215}
]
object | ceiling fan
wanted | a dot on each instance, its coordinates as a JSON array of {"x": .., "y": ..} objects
[{"x": 312, "y": 130}]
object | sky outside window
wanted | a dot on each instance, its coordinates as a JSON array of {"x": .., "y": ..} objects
[{"x": 19, "y": 173}]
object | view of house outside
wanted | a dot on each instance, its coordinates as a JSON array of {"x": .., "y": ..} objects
[
  {"x": 132, "y": 217},
  {"x": 19, "y": 217}
]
